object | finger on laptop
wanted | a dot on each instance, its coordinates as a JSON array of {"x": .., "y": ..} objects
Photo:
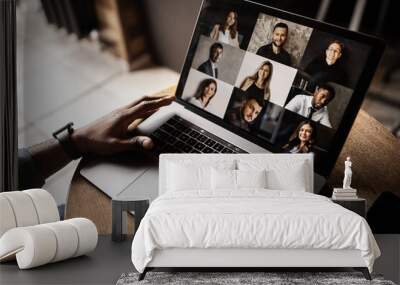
[
  {"x": 145, "y": 107},
  {"x": 133, "y": 125},
  {"x": 148, "y": 98},
  {"x": 135, "y": 143},
  {"x": 137, "y": 101}
]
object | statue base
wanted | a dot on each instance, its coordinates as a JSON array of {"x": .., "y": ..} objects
[
  {"x": 344, "y": 190},
  {"x": 344, "y": 194}
]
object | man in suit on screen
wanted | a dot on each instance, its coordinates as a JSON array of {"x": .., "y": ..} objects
[{"x": 210, "y": 66}]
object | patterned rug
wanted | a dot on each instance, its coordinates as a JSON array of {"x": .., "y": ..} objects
[{"x": 242, "y": 278}]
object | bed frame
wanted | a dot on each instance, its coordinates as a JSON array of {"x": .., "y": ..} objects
[
  {"x": 250, "y": 259},
  {"x": 233, "y": 259}
]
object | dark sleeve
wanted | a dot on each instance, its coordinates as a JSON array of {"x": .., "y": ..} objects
[
  {"x": 229, "y": 116},
  {"x": 260, "y": 51},
  {"x": 29, "y": 175},
  {"x": 289, "y": 60},
  {"x": 202, "y": 67},
  {"x": 343, "y": 77},
  {"x": 311, "y": 68}
]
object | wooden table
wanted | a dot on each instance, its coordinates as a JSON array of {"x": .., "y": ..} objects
[{"x": 375, "y": 153}]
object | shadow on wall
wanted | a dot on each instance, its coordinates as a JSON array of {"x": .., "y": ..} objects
[{"x": 171, "y": 24}]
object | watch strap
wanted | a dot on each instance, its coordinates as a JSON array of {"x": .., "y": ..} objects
[{"x": 63, "y": 135}]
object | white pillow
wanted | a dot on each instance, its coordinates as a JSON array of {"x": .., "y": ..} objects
[
  {"x": 237, "y": 179},
  {"x": 251, "y": 179},
  {"x": 281, "y": 175},
  {"x": 223, "y": 179},
  {"x": 183, "y": 178},
  {"x": 293, "y": 179},
  {"x": 188, "y": 174}
]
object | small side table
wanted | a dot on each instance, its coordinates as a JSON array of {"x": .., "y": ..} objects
[
  {"x": 358, "y": 205},
  {"x": 135, "y": 198},
  {"x": 121, "y": 207}
]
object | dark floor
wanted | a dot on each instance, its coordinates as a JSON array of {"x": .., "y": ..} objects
[{"x": 110, "y": 259}]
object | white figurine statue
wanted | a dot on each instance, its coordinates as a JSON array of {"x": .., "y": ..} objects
[{"x": 347, "y": 174}]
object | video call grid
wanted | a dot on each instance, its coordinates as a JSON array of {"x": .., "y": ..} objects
[{"x": 284, "y": 112}]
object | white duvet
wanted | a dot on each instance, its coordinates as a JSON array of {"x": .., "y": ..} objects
[{"x": 253, "y": 218}]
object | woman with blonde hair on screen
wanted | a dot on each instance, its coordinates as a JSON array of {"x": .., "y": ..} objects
[
  {"x": 227, "y": 32},
  {"x": 257, "y": 85}
]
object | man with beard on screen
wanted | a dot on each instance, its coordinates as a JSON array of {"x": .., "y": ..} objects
[
  {"x": 245, "y": 113},
  {"x": 275, "y": 50}
]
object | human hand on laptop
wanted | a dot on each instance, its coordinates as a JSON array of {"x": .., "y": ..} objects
[
  {"x": 115, "y": 131},
  {"x": 110, "y": 134}
]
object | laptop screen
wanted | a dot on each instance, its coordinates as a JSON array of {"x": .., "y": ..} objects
[{"x": 287, "y": 83}]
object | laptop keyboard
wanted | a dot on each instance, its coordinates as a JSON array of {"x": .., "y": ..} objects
[{"x": 178, "y": 135}]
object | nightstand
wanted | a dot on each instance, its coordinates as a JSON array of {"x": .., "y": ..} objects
[
  {"x": 358, "y": 205},
  {"x": 121, "y": 205}
]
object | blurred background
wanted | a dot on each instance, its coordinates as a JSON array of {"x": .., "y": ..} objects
[{"x": 80, "y": 59}]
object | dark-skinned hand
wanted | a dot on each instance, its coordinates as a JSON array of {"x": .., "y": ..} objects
[{"x": 115, "y": 132}]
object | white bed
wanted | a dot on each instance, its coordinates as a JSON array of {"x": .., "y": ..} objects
[{"x": 219, "y": 225}]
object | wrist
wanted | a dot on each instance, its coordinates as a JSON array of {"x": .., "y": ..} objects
[
  {"x": 78, "y": 139},
  {"x": 64, "y": 137}
]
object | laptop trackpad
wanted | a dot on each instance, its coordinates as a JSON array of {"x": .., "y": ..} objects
[
  {"x": 145, "y": 187},
  {"x": 112, "y": 175}
]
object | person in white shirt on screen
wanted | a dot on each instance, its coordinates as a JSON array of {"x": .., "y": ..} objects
[
  {"x": 227, "y": 32},
  {"x": 204, "y": 93},
  {"x": 314, "y": 107}
]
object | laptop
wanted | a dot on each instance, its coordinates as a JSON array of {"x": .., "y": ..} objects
[{"x": 255, "y": 80}]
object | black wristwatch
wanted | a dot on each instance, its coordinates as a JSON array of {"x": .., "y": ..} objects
[{"x": 63, "y": 135}]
